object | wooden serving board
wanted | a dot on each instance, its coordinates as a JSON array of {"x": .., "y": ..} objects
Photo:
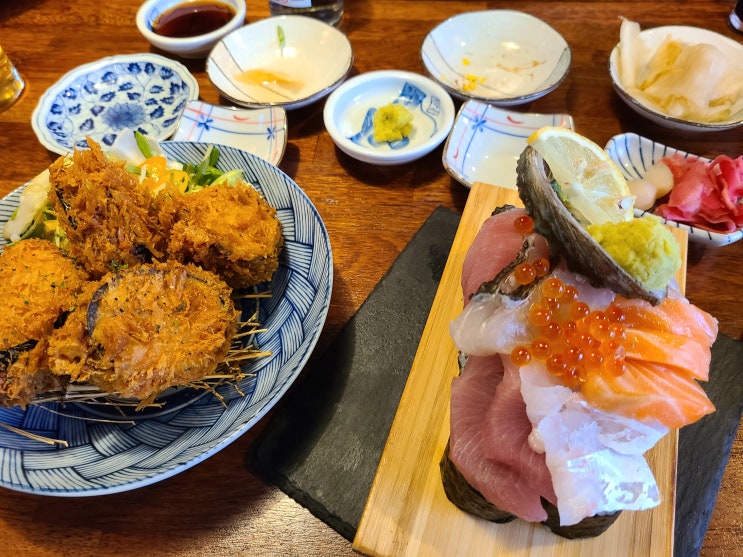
[{"x": 407, "y": 512}]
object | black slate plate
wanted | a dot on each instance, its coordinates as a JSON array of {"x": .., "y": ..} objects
[{"x": 326, "y": 437}]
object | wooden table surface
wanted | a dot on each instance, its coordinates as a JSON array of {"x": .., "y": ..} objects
[{"x": 219, "y": 507}]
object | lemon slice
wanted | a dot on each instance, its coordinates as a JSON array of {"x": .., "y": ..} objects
[{"x": 590, "y": 183}]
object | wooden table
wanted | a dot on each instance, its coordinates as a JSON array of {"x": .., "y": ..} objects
[{"x": 219, "y": 507}]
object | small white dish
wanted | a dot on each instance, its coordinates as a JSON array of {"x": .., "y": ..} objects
[
  {"x": 503, "y": 57},
  {"x": 260, "y": 131},
  {"x": 486, "y": 142},
  {"x": 634, "y": 154},
  {"x": 144, "y": 92},
  {"x": 187, "y": 47},
  {"x": 288, "y": 61},
  {"x": 651, "y": 39},
  {"x": 349, "y": 113}
]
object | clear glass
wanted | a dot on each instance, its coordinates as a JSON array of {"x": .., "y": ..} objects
[
  {"x": 11, "y": 82},
  {"x": 735, "y": 19},
  {"x": 329, "y": 11}
]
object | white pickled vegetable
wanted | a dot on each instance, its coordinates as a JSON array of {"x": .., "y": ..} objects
[
  {"x": 644, "y": 192},
  {"x": 661, "y": 177},
  {"x": 30, "y": 209}
]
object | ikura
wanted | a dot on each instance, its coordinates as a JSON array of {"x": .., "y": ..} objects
[{"x": 571, "y": 340}]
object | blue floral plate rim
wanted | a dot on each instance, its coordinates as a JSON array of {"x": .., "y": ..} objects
[{"x": 47, "y": 99}]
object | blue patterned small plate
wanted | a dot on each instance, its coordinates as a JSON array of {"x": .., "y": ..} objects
[
  {"x": 485, "y": 143},
  {"x": 261, "y": 131},
  {"x": 635, "y": 154},
  {"x": 144, "y": 92},
  {"x": 350, "y": 109},
  {"x": 106, "y": 455}
]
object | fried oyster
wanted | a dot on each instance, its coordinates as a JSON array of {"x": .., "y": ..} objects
[
  {"x": 39, "y": 286},
  {"x": 109, "y": 217},
  {"x": 228, "y": 229},
  {"x": 146, "y": 329}
]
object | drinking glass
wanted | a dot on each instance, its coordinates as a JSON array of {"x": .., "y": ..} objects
[
  {"x": 735, "y": 19},
  {"x": 329, "y": 11},
  {"x": 11, "y": 82}
]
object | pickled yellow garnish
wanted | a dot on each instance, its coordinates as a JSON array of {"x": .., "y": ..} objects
[{"x": 392, "y": 123}]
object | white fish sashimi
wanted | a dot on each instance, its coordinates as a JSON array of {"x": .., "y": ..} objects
[
  {"x": 496, "y": 324},
  {"x": 595, "y": 459}
]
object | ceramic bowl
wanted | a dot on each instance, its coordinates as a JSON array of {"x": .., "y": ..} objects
[
  {"x": 187, "y": 47},
  {"x": 260, "y": 131},
  {"x": 288, "y": 61},
  {"x": 503, "y": 57},
  {"x": 635, "y": 154},
  {"x": 651, "y": 39},
  {"x": 485, "y": 143},
  {"x": 349, "y": 113},
  {"x": 144, "y": 92},
  {"x": 180, "y": 436}
]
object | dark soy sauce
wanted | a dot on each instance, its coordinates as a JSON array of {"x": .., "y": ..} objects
[{"x": 192, "y": 19}]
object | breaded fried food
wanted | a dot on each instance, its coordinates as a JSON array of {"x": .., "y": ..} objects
[
  {"x": 230, "y": 230},
  {"x": 109, "y": 217},
  {"x": 146, "y": 329},
  {"x": 25, "y": 374},
  {"x": 39, "y": 285}
]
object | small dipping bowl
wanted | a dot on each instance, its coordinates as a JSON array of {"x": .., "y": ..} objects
[
  {"x": 197, "y": 46},
  {"x": 350, "y": 109}
]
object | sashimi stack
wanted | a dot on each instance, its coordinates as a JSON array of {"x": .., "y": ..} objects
[{"x": 564, "y": 384}]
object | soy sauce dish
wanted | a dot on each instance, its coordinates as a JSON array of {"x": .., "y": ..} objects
[
  {"x": 189, "y": 29},
  {"x": 350, "y": 109}
]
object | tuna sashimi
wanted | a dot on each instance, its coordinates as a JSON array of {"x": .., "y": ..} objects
[
  {"x": 493, "y": 249},
  {"x": 507, "y": 433},
  {"x": 509, "y": 488}
]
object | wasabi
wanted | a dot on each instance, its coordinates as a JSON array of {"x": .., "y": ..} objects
[
  {"x": 392, "y": 122},
  {"x": 643, "y": 247}
]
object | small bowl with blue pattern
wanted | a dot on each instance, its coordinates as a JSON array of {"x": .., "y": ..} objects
[
  {"x": 349, "y": 116},
  {"x": 143, "y": 92}
]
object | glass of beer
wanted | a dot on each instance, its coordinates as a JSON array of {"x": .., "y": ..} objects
[{"x": 11, "y": 82}]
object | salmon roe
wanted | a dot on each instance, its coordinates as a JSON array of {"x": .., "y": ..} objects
[
  {"x": 571, "y": 340},
  {"x": 524, "y": 225}
]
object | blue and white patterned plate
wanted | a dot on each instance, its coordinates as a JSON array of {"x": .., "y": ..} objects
[
  {"x": 485, "y": 143},
  {"x": 105, "y": 457},
  {"x": 634, "y": 154},
  {"x": 261, "y": 131},
  {"x": 144, "y": 92}
]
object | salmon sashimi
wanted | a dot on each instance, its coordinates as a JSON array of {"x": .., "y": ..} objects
[
  {"x": 675, "y": 333},
  {"x": 649, "y": 392}
]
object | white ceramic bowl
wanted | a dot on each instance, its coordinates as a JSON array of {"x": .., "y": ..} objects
[
  {"x": 652, "y": 38},
  {"x": 187, "y": 47},
  {"x": 350, "y": 109},
  {"x": 503, "y": 57},
  {"x": 288, "y": 61},
  {"x": 485, "y": 143},
  {"x": 144, "y": 92},
  {"x": 634, "y": 154},
  {"x": 260, "y": 131}
]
